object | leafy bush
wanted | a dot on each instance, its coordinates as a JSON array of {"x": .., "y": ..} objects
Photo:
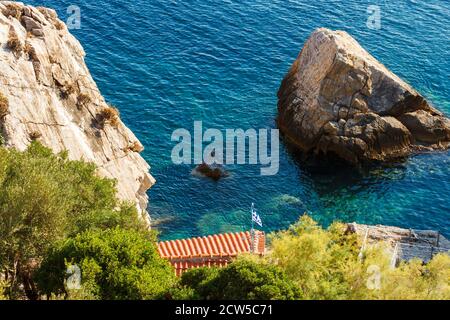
[
  {"x": 55, "y": 212},
  {"x": 243, "y": 279},
  {"x": 326, "y": 264},
  {"x": 2, "y": 289},
  {"x": 418, "y": 281},
  {"x": 115, "y": 264},
  {"x": 45, "y": 198}
]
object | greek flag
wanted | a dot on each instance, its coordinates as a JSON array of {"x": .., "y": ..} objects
[{"x": 255, "y": 217}]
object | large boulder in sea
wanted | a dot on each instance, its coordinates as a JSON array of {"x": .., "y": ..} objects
[
  {"x": 339, "y": 100},
  {"x": 47, "y": 93}
]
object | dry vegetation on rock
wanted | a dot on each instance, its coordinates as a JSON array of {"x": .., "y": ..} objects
[
  {"x": 83, "y": 100},
  {"x": 13, "y": 10},
  {"x": 68, "y": 89},
  {"x": 109, "y": 115},
  {"x": 34, "y": 135},
  {"x": 4, "y": 106},
  {"x": 36, "y": 82},
  {"x": 14, "y": 43},
  {"x": 135, "y": 147},
  {"x": 59, "y": 25}
]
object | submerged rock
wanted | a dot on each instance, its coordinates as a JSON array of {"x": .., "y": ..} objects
[
  {"x": 214, "y": 172},
  {"x": 338, "y": 99},
  {"x": 49, "y": 95}
]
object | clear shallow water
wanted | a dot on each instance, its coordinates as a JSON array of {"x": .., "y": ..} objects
[{"x": 168, "y": 63}]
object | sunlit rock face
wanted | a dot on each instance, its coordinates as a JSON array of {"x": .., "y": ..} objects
[
  {"x": 52, "y": 97},
  {"x": 338, "y": 99}
]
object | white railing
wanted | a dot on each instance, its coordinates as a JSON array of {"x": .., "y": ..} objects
[
  {"x": 394, "y": 256},
  {"x": 363, "y": 247}
]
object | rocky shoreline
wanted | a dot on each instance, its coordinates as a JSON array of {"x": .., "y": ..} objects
[
  {"x": 402, "y": 244},
  {"x": 49, "y": 95}
]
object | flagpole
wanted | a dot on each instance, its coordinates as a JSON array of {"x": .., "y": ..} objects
[{"x": 252, "y": 232}]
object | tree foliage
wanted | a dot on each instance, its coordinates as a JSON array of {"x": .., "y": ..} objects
[
  {"x": 244, "y": 279},
  {"x": 326, "y": 264},
  {"x": 55, "y": 213},
  {"x": 418, "y": 281},
  {"x": 45, "y": 198},
  {"x": 3, "y": 286},
  {"x": 115, "y": 264}
]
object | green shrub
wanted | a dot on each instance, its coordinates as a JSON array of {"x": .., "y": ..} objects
[
  {"x": 45, "y": 198},
  {"x": 326, "y": 264},
  {"x": 3, "y": 287},
  {"x": 55, "y": 212},
  {"x": 418, "y": 281},
  {"x": 243, "y": 279},
  {"x": 115, "y": 264}
]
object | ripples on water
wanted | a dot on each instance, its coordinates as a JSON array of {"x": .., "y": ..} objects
[{"x": 168, "y": 63}]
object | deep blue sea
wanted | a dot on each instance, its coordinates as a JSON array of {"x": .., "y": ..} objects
[{"x": 167, "y": 63}]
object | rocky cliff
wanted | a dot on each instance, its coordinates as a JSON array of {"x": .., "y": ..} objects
[
  {"x": 48, "y": 94},
  {"x": 338, "y": 99},
  {"x": 403, "y": 244}
]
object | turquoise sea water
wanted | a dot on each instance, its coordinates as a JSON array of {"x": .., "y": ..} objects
[{"x": 168, "y": 63}]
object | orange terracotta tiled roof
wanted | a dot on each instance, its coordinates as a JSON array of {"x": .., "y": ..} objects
[{"x": 214, "y": 250}]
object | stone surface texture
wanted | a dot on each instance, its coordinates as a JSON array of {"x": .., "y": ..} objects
[
  {"x": 338, "y": 99},
  {"x": 52, "y": 97}
]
